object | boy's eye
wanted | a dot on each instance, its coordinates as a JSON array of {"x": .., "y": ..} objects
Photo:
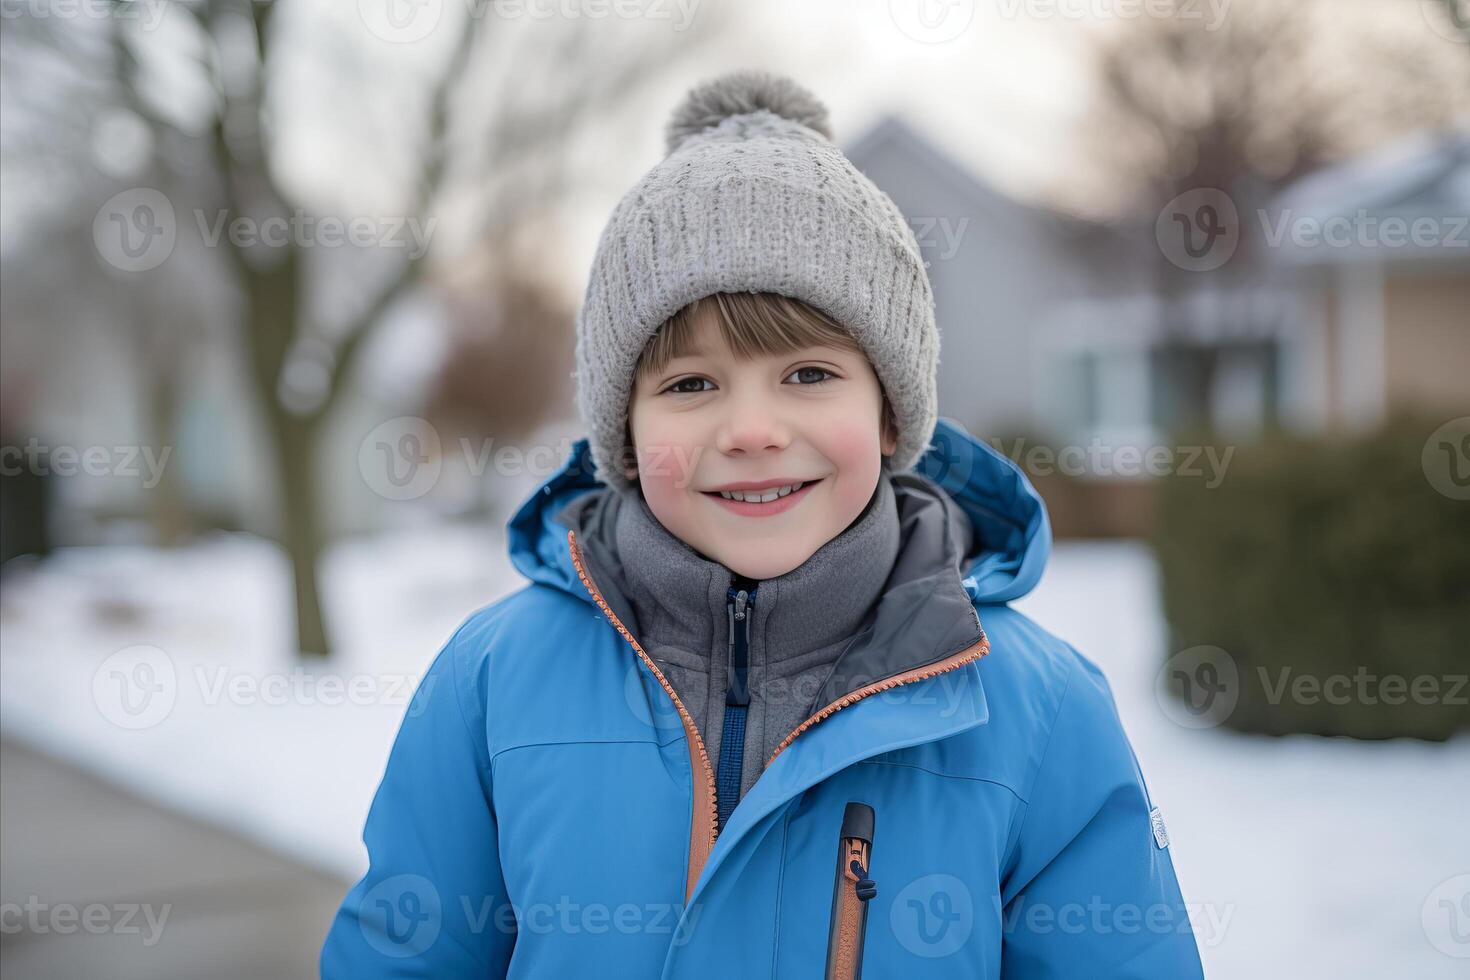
[
  {"x": 808, "y": 370},
  {"x": 677, "y": 386},
  {"x": 807, "y": 377}
]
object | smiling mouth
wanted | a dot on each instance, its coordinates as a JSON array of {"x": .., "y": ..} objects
[
  {"x": 766, "y": 496},
  {"x": 763, "y": 503}
]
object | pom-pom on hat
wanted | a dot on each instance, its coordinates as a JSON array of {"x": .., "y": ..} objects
[
  {"x": 753, "y": 196},
  {"x": 741, "y": 93}
]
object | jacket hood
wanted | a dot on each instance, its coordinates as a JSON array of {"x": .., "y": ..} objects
[{"x": 1011, "y": 532}]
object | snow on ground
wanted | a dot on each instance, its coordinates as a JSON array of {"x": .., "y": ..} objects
[{"x": 169, "y": 673}]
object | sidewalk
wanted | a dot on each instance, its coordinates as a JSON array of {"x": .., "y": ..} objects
[{"x": 94, "y": 882}]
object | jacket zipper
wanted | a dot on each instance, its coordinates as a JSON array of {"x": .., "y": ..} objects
[
  {"x": 852, "y": 890},
  {"x": 737, "y": 702},
  {"x": 704, "y": 827}
]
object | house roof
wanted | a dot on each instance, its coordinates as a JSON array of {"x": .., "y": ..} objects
[
  {"x": 1409, "y": 201},
  {"x": 1102, "y": 257}
]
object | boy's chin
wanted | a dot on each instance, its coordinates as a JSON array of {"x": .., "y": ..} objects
[{"x": 759, "y": 567}]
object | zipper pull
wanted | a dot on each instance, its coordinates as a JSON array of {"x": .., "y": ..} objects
[
  {"x": 737, "y": 689},
  {"x": 857, "y": 838},
  {"x": 866, "y": 888}
]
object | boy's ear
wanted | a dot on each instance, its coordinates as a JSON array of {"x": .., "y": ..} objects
[
  {"x": 888, "y": 437},
  {"x": 630, "y": 455}
]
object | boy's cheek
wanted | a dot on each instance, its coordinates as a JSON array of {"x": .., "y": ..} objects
[
  {"x": 666, "y": 453},
  {"x": 668, "y": 464},
  {"x": 851, "y": 444}
]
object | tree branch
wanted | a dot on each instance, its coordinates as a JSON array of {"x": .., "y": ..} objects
[{"x": 431, "y": 178}]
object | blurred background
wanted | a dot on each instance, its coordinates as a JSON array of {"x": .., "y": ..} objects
[{"x": 287, "y": 323}]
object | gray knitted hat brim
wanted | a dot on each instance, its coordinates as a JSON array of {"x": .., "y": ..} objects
[{"x": 756, "y": 203}]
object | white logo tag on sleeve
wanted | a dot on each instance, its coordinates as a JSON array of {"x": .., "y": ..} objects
[{"x": 1161, "y": 835}]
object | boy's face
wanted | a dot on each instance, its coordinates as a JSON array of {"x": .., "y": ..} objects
[{"x": 709, "y": 421}]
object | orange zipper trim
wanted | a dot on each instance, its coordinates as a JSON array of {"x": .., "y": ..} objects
[
  {"x": 705, "y": 823},
  {"x": 847, "y": 933},
  {"x": 949, "y": 663}
]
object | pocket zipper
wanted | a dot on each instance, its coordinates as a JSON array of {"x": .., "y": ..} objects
[{"x": 852, "y": 890}]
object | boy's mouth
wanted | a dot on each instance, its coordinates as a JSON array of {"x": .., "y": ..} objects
[{"x": 765, "y": 502}]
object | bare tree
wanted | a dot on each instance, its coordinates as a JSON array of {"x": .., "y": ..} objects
[
  {"x": 1273, "y": 92},
  {"x": 496, "y": 154}
]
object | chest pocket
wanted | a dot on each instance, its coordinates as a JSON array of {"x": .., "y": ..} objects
[{"x": 932, "y": 873}]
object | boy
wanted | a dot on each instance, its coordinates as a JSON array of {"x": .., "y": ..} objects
[{"x": 753, "y": 637}]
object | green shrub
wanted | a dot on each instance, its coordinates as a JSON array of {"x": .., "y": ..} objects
[{"x": 1316, "y": 560}]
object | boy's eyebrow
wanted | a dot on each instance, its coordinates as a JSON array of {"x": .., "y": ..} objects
[{"x": 697, "y": 350}]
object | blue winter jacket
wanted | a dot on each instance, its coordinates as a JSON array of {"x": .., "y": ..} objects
[{"x": 547, "y": 811}]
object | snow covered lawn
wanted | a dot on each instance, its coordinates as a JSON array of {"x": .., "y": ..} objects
[
  {"x": 172, "y": 673},
  {"x": 169, "y": 673}
]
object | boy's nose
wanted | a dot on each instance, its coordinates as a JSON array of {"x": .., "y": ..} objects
[{"x": 751, "y": 428}]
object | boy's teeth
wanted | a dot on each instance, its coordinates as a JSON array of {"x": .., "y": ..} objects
[{"x": 761, "y": 496}]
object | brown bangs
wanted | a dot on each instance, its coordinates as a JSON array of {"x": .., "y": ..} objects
[{"x": 752, "y": 324}]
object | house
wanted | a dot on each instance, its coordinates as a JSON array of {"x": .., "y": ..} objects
[
  {"x": 1114, "y": 340},
  {"x": 1379, "y": 251}
]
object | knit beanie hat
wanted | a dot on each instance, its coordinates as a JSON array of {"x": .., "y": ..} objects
[{"x": 753, "y": 196}]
